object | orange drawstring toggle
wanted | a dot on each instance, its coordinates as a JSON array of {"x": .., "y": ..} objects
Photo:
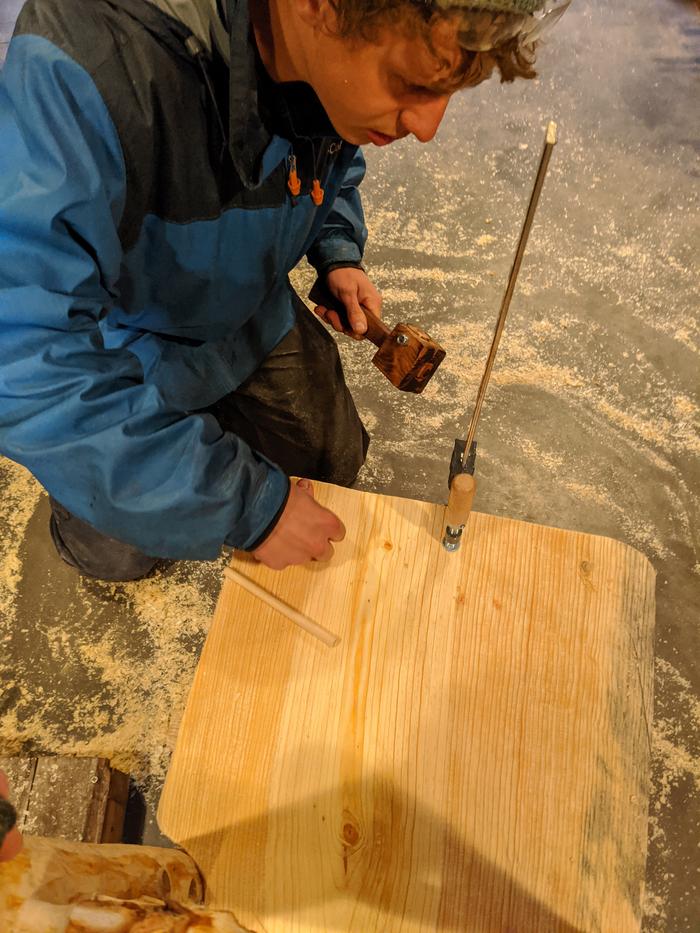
[
  {"x": 293, "y": 182},
  {"x": 317, "y": 192}
]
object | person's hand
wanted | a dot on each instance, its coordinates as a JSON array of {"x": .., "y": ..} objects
[
  {"x": 13, "y": 841},
  {"x": 351, "y": 287},
  {"x": 303, "y": 533}
]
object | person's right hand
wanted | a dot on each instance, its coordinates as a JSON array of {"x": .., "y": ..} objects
[
  {"x": 303, "y": 533},
  {"x": 13, "y": 841}
]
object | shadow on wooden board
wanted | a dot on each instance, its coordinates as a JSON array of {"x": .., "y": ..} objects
[{"x": 454, "y": 877}]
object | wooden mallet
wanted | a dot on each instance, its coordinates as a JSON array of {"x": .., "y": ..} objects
[{"x": 407, "y": 356}]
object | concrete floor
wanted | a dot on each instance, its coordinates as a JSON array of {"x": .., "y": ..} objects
[{"x": 591, "y": 422}]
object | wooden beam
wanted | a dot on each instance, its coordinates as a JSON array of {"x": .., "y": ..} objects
[{"x": 78, "y": 799}]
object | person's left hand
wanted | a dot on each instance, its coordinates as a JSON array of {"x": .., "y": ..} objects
[
  {"x": 351, "y": 287},
  {"x": 13, "y": 841}
]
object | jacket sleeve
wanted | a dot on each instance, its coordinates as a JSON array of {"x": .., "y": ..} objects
[
  {"x": 78, "y": 416},
  {"x": 343, "y": 236}
]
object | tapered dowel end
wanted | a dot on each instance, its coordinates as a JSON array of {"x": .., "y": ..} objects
[
  {"x": 459, "y": 506},
  {"x": 551, "y": 133}
]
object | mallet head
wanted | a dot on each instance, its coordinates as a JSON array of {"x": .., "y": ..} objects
[{"x": 408, "y": 357}]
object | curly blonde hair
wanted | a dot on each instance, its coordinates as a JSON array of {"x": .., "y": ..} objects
[{"x": 364, "y": 19}]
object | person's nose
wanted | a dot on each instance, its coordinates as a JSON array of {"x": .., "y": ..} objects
[{"x": 423, "y": 119}]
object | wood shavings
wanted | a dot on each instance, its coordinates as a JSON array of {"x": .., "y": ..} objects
[
  {"x": 676, "y": 775},
  {"x": 19, "y": 493},
  {"x": 98, "y": 669}
]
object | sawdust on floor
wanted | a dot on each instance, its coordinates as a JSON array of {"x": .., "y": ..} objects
[
  {"x": 660, "y": 427},
  {"x": 20, "y": 494},
  {"x": 95, "y": 684},
  {"x": 675, "y": 766}
]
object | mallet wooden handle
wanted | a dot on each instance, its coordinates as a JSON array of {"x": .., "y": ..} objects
[
  {"x": 459, "y": 505},
  {"x": 377, "y": 331},
  {"x": 298, "y": 618}
]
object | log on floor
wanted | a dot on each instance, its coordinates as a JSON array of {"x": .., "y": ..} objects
[{"x": 56, "y": 886}]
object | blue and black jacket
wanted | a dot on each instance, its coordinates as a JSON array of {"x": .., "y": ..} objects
[{"x": 146, "y": 234}]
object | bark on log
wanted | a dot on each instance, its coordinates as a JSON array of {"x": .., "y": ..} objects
[{"x": 56, "y": 886}]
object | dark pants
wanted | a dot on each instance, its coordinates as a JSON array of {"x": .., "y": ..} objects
[{"x": 295, "y": 409}]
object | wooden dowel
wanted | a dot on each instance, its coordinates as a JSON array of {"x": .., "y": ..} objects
[{"x": 298, "y": 618}]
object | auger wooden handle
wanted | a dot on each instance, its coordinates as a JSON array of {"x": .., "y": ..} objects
[{"x": 459, "y": 505}]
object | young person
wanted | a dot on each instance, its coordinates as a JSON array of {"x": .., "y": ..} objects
[{"x": 165, "y": 164}]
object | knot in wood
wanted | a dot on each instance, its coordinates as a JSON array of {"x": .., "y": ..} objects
[{"x": 350, "y": 832}]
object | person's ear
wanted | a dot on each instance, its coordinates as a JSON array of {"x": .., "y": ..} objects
[{"x": 318, "y": 14}]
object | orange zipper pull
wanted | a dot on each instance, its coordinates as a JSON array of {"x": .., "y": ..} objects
[
  {"x": 317, "y": 192},
  {"x": 293, "y": 182}
]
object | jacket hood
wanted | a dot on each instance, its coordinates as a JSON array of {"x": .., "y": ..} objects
[
  {"x": 206, "y": 19},
  {"x": 223, "y": 27},
  {"x": 248, "y": 136}
]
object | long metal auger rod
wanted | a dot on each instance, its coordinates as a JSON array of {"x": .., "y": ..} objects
[{"x": 549, "y": 144}]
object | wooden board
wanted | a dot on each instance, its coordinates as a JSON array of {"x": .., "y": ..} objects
[
  {"x": 78, "y": 799},
  {"x": 473, "y": 755}
]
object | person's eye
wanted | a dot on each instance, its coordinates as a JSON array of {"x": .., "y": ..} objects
[
  {"x": 420, "y": 90},
  {"x": 405, "y": 88},
  {"x": 403, "y": 85}
]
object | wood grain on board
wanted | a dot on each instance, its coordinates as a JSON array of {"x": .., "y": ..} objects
[{"x": 472, "y": 756}]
